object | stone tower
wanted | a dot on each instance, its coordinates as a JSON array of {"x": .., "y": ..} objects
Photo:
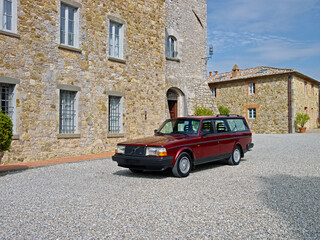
[{"x": 186, "y": 62}]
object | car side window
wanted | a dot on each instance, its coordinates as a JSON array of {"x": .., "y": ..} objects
[
  {"x": 221, "y": 126},
  {"x": 237, "y": 125},
  {"x": 207, "y": 127}
]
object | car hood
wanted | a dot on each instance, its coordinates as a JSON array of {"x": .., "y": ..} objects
[{"x": 156, "y": 140}]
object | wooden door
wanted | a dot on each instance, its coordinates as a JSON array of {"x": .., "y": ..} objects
[{"x": 173, "y": 108}]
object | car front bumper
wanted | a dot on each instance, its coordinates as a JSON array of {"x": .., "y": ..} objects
[{"x": 143, "y": 163}]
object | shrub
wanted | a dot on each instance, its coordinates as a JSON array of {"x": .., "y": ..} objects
[
  {"x": 223, "y": 110},
  {"x": 202, "y": 112},
  {"x": 302, "y": 119},
  {"x": 5, "y": 132}
]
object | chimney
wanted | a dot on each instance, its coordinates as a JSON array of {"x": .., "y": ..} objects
[
  {"x": 210, "y": 74},
  {"x": 216, "y": 72},
  {"x": 235, "y": 71}
]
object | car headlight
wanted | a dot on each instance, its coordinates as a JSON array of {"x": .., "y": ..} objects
[
  {"x": 156, "y": 151},
  {"x": 120, "y": 149}
]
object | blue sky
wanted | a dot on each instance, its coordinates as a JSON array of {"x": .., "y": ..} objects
[{"x": 275, "y": 33}]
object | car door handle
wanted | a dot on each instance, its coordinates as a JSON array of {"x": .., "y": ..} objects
[{"x": 217, "y": 137}]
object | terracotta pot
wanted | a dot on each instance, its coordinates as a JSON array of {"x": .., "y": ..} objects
[{"x": 302, "y": 129}]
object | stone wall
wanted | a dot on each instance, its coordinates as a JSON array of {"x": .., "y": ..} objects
[
  {"x": 306, "y": 101},
  {"x": 270, "y": 100},
  {"x": 187, "y": 22},
  {"x": 35, "y": 58}
]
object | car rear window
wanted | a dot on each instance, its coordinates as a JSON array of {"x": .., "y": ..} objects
[{"x": 237, "y": 125}]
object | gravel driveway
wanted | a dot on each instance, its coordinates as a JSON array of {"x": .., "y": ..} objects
[{"x": 273, "y": 194}]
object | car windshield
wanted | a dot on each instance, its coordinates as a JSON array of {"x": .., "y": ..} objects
[{"x": 180, "y": 126}]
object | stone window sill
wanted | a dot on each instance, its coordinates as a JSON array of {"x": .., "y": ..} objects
[
  {"x": 119, "y": 60},
  {"x": 10, "y": 34},
  {"x": 173, "y": 59},
  {"x": 70, "y": 48},
  {"x": 68, "y": 136},
  {"x": 116, "y": 135}
]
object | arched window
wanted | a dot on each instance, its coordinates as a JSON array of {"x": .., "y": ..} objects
[{"x": 172, "y": 47}]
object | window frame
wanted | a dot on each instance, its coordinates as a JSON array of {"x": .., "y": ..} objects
[
  {"x": 13, "y": 83},
  {"x": 75, "y": 109},
  {"x": 252, "y": 115},
  {"x": 112, "y": 26},
  {"x": 172, "y": 47},
  {"x": 251, "y": 88},
  {"x": 305, "y": 87},
  {"x": 76, "y": 25},
  {"x": 120, "y": 113},
  {"x": 214, "y": 92},
  {"x": 14, "y": 16}
]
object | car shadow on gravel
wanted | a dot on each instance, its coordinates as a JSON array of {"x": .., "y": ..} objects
[
  {"x": 147, "y": 174},
  {"x": 10, "y": 172},
  {"x": 210, "y": 165},
  {"x": 296, "y": 200},
  {"x": 168, "y": 173}
]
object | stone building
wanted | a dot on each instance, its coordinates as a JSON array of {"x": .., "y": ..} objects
[
  {"x": 268, "y": 97},
  {"x": 186, "y": 57},
  {"x": 78, "y": 76}
]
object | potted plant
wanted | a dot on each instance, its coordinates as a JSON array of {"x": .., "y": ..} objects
[
  {"x": 301, "y": 120},
  {"x": 5, "y": 133}
]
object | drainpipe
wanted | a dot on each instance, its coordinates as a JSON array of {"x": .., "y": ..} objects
[{"x": 289, "y": 104}]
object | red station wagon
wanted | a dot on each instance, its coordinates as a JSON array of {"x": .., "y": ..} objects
[{"x": 185, "y": 142}]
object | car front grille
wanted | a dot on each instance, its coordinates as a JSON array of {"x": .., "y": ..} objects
[{"x": 135, "y": 150}]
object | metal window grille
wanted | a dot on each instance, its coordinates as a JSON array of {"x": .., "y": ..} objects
[
  {"x": 114, "y": 114},
  {"x": 7, "y": 14},
  {"x": 67, "y": 117},
  {"x": 6, "y": 96}
]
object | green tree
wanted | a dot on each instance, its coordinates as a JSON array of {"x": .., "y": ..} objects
[
  {"x": 5, "y": 132},
  {"x": 223, "y": 110},
  {"x": 202, "y": 112}
]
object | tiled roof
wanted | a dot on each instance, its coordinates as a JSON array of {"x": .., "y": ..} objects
[{"x": 252, "y": 73}]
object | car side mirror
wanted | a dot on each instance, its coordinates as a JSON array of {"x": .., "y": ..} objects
[{"x": 155, "y": 131}]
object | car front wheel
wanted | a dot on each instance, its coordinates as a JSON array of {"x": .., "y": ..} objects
[
  {"x": 182, "y": 167},
  {"x": 235, "y": 157}
]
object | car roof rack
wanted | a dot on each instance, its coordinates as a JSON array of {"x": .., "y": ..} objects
[{"x": 228, "y": 115}]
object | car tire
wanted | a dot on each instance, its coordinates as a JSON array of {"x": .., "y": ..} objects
[
  {"x": 135, "y": 170},
  {"x": 182, "y": 167},
  {"x": 235, "y": 158}
]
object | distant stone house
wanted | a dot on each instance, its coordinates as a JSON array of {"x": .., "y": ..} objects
[
  {"x": 268, "y": 97},
  {"x": 79, "y": 76}
]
